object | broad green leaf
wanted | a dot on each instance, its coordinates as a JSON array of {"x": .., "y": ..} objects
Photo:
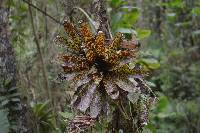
[
  {"x": 130, "y": 7},
  {"x": 176, "y": 3},
  {"x": 196, "y": 11},
  {"x": 173, "y": 4},
  {"x": 126, "y": 30},
  {"x": 116, "y": 18},
  {"x": 66, "y": 115},
  {"x": 143, "y": 33},
  {"x": 151, "y": 63},
  {"x": 151, "y": 127},
  {"x": 162, "y": 104},
  {"x": 115, "y": 3},
  {"x": 130, "y": 17},
  {"x": 171, "y": 17}
]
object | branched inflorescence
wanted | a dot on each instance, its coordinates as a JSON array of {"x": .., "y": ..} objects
[{"x": 100, "y": 71}]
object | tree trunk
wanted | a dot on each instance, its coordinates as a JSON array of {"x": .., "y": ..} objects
[{"x": 10, "y": 99}]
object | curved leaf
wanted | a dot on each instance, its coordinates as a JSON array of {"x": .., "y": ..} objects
[
  {"x": 133, "y": 97},
  {"x": 127, "y": 85},
  {"x": 95, "y": 106},
  {"x": 111, "y": 89},
  {"x": 86, "y": 99}
]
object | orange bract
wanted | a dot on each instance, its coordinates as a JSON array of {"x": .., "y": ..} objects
[
  {"x": 100, "y": 44},
  {"x": 70, "y": 29}
]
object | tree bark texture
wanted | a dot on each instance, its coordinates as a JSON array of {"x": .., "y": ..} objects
[
  {"x": 101, "y": 17},
  {"x": 8, "y": 77}
]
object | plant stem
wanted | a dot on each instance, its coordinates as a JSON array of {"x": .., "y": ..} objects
[
  {"x": 44, "y": 12},
  {"x": 40, "y": 55}
]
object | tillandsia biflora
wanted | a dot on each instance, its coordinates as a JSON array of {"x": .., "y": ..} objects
[{"x": 100, "y": 72}]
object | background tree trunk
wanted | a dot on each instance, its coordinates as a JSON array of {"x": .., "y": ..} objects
[{"x": 10, "y": 99}]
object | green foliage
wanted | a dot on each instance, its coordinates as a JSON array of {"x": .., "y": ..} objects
[
  {"x": 150, "y": 63},
  {"x": 123, "y": 16},
  {"x": 4, "y": 123},
  {"x": 11, "y": 96},
  {"x": 65, "y": 118},
  {"x": 9, "y": 104},
  {"x": 143, "y": 33},
  {"x": 17, "y": 25},
  {"x": 173, "y": 4},
  {"x": 177, "y": 78},
  {"x": 196, "y": 11},
  {"x": 43, "y": 118}
]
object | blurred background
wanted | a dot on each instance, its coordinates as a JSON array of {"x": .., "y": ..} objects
[{"x": 169, "y": 32}]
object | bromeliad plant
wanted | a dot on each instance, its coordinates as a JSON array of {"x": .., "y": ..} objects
[{"x": 101, "y": 73}]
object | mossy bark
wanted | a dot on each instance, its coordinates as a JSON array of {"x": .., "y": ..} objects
[{"x": 8, "y": 75}]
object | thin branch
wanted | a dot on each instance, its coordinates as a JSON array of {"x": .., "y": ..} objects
[
  {"x": 46, "y": 27},
  {"x": 40, "y": 10},
  {"x": 40, "y": 55},
  {"x": 92, "y": 22}
]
